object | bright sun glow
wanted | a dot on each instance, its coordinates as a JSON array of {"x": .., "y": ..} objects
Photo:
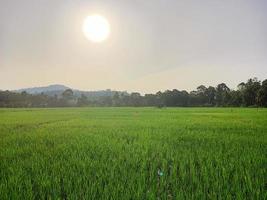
[{"x": 96, "y": 28}]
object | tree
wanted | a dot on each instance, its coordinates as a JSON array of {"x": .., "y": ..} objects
[
  {"x": 241, "y": 86},
  {"x": 150, "y": 100},
  {"x": 82, "y": 101},
  {"x": 159, "y": 100},
  {"x": 222, "y": 94},
  {"x": 235, "y": 98},
  {"x": 210, "y": 93},
  {"x": 202, "y": 94},
  {"x": 68, "y": 98},
  {"x": 67, "y": 94},
  {"x": 250, "y": 92},
  {"x": 135, "y": 99},
  {"x": 262, "y": 94},
  {"x": 116, "y": 99}
]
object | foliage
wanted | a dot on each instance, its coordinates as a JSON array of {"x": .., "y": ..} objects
[{"x": 250, "y": 94}]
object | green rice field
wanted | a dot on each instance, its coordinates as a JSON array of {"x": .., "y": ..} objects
[{"x": 133, "y": 153}]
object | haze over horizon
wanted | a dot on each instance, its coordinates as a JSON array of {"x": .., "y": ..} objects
[{"x": 153, "y": 45}]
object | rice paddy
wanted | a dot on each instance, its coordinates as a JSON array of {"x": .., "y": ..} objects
[{"x": 133, "y": 153}]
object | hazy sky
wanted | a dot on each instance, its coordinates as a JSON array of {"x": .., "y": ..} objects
[{"x": 154, "y": 44}]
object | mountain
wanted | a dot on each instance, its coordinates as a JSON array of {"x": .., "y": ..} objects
[
  {"x": 46, "y": 89},
  {"x": 57, "y": 89}
]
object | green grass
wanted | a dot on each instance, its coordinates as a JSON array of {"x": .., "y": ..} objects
[{"x": 117, "y": 153}]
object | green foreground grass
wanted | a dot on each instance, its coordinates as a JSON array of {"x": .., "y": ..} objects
[{"x": 133, "y": 153}]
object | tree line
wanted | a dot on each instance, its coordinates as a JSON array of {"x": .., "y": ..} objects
[{"x": 253, "y": 93}]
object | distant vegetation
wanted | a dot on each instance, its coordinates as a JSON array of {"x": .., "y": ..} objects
[
  {"x": 253, "y": 93},
  {"x": 57, "y": 90}
]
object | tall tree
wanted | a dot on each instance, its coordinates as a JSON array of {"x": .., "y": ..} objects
[
  {"x": 222, "y": 94},
  {"x": 210, "y": 93},
  {"x": 202, "y": 94},
  {"x": 250, "y": 92},
  {"x": 262, "y": 94}
]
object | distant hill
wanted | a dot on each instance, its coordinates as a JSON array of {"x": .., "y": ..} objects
[
  {"x": 45, "y": 89},
  {"x": 58, "y": 89}
]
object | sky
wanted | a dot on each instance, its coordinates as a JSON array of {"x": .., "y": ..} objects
[{"x": 153, "y": 44}]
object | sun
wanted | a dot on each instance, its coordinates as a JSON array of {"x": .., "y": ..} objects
[{"x": 96, "y": 28}]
